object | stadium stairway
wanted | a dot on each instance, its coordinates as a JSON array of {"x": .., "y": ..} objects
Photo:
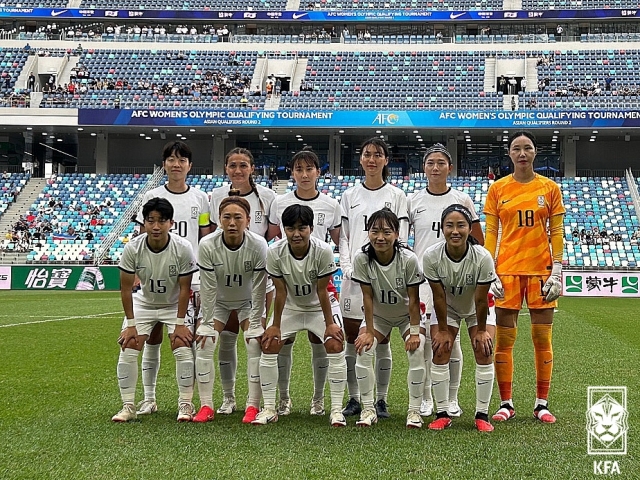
[{"x": 21, "y": 206}]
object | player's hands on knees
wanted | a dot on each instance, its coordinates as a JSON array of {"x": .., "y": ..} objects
[
  {"x": 497, "y": 289},
  {"x": 482, "y": 343},
  {"x": 182, "y": 333},
  {"x": 364, "y": 342},
  {"x": 335, "y": 332},
  {"x": 412, "y": 343},
  {"x": 126, "y": 335},
  {"x": 441, "y": 341},
  {"x": 271, "y": 334},
  {"x": 201, "y": 340}
]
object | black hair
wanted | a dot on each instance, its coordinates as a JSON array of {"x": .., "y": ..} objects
[
  {"x": 380, "y": 144},
  {"x": 295, "y": 213},
  {"x": 383, "y": 217},
  {"x": 180, "y": 148},
  {"x": 464, "y": 211},
  {"x": 437, "y": 148},
  {"x": 247, "y": 153},
  {"x": 523, "y": 133},
  {"x": 160, "y": 205},
  {"x": 234, "y": 198},
  {"x": 306, "y": 155}
]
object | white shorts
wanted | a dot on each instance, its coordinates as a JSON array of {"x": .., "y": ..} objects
[
  {"x": 455, "y": 320},
  {"x": 195, "y": 281},
  {"x": 147, "y": 318},
  {"x": 426, "y": 297},
  {"x": 270, "y": 286},
  {"x": 294, "y": 321},
  {"x": 384, "y": 326},
  {"x": 351, "y": 300},
  {"x": 189, "y": 319}
]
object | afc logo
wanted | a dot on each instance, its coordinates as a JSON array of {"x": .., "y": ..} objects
[{"x": 386, "y": 119}]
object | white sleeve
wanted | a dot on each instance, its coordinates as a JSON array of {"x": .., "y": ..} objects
[
  {"x": 402, "y": 212},
  {"x": 128, "y": 259},
  {"x": 345, "y": 259},
  {"x": 273, "y": 213},
  {"x": 429, "y": 268},
  {"x": 259, "y": 290},
  {"x": 413, "y": 273},
  {"x": 187, "y": 259},
  {"x": 326, "y": 263}
]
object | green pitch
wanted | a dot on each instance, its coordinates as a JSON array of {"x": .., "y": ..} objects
[{"x": 58, "y": 391}]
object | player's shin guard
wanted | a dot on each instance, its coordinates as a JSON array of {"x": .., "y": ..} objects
[
  {"x": 337, "y": 372},
  {"x": 484, "y": 387},
  {"x": 428, "y": 357},
  {"x": 228, "y": 362},
  {"x": 150, "y": 369},
  {"x": 320, "y": 364},
  {"x": 205, "y": 371},
  {"x": 184, "y": 373},
  {"x": 384, "y": 364},
  {"x": 503, "y": 359},
  {"x": 352, "y": 382},
  {"x": 269, "y": 379},
  {"x": 455, "y": 368},
  {"x": 128, "y": 374},
  {"x": 285, "y": 360},
  {"x": 415, "y": 376},
  {"x": 366, "y": 376},
  {"x": 253, "y": 372},
  {"x": 543, "y": 351},
  {"x": 440, "y": 383}
]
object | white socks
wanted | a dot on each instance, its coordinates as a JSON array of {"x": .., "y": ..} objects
[
  {"x": 337, "y": 372},
  {"x": 366, "y": 376},
  {"x": 205, "y": 371},
  {"x": 384, "y": 363},
  {"x": 128, "y": 374},
  {"x": 484, "y": 387},
  {"x": 415, "y": 376},
  {"x": 440, "y": 385},
  {"x": 428, "y": 356},
  {"x": 228, "y": 362},
  {"x": 253, "y": 372},
  {"x": 455, "y": 368},
  {"x": 285, "y": 360},
  {"x": 184, "y": 373},
  {"x": 352, "y": 383},
  {"x": 150, "y": 368},
  {"x": 269, "y": 378},
  {"x": 320, "y": 364}
]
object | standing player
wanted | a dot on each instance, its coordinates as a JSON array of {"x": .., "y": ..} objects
[
  {"x": 358, "y": 203},
  {"x": 425, "y": 210},
  {"x": 460, "y": 273},
  {"x": 301, "y": 267},
  {"x": 191, "y": 222},
  {"x": 239, "y": 167},
  {"x": 327, "y": 217},
  {"x": 164, "y": 264},
  {"x": 529, "y": 210},
  {"x": 232, "y": 261},
  {"x": 389, "y": 275}
]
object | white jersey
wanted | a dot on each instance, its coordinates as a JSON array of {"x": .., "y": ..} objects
[
  {"x": 259, "y": 222},
  {"x": 327, "y": 214},
  {"x": 158, "y": 271},
  {"x": 358, "y": 203},
  {"x": 301, "y": 275},
  {"x": 232, "y": 276},
  {"x": 389, "y": 282},
  {"x": 190, "y": 212},
  {"x": 425, "y": 212},
  {"x": 459, "y": 278}
]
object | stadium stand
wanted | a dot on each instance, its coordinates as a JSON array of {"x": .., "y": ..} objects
[
  {"x": 10, "y": 186},
  {"x": 189, "y": 4}
]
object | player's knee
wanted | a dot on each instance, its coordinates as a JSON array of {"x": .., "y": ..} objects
[
  {"x": 333, "y": 346},
  {"x": 441, "y": 358}
]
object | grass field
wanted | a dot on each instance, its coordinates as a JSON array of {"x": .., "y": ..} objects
[{"x": 58, "y": 391}]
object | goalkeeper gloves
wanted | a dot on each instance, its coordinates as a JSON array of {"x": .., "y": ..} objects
[
  {"x": 553, "y": 286},
  {"x": 496, "y": 288}
]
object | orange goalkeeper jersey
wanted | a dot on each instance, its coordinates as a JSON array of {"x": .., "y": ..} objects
[{"x": 524, "y": 210}]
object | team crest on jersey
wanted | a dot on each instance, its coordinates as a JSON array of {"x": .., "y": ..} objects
[
  {"x": 347, "y": 304},
  {"x": 313, "y": 274},
  {"x": 320, "y": 219},
  {"x": 540, "y": 201},
  {"x": 247, "y": 266},
  {"x": 469, "y": 279},
  {"x": 258, "y": 216},
  {"x": 173, "y": 270},
  {"x": 399, "y": 282},
  {"x": 387, "y": 204},
  {"x": 331, "y": 265}
]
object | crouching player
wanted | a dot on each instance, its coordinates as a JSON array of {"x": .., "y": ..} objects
[
  {"x": 164, "y": 264},
  {"x": 300, "y": 267},
  {"x": 460, "y": 273},
  {"x": 389, "y": 275},
  {"x": 232, "y": 271}
]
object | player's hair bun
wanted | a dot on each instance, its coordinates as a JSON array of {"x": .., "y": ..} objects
[{"x": 234, "y": 192}]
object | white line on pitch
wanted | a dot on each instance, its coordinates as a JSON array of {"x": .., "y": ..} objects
[{"x": 99, "y": 315}]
